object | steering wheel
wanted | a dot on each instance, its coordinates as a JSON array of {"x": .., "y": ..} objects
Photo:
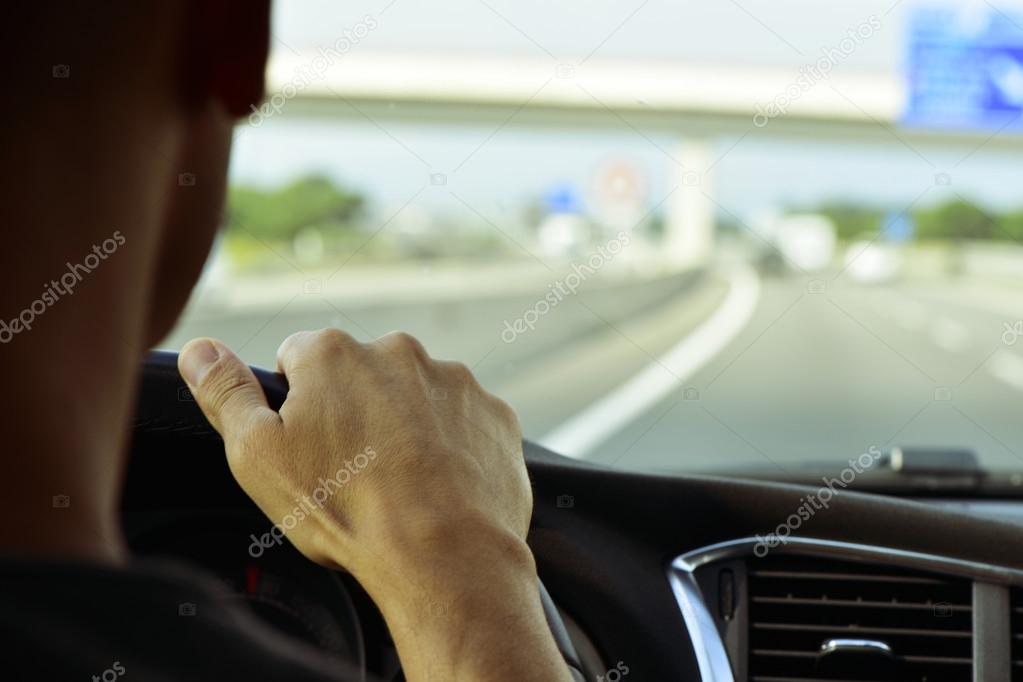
[{"x": 165, "y": 405}]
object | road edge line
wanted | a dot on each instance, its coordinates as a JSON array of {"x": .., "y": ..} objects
[{"x": 599, "y": 421}]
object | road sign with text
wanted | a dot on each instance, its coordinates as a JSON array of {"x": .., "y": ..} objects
[{"x": 965, "y": 68}]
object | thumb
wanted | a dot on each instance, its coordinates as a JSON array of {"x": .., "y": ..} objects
[{"x": 225, "y": 388}]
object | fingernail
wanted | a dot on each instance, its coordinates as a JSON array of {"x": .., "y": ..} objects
[{"x": 196, "y": 357}]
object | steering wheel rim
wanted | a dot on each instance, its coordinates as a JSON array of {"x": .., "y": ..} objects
[{"x": 166, "y": 405}]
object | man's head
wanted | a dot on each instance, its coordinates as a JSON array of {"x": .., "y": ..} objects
[
  {"x": 126, "y": 108},
  {"x": 117, "y": 119}
]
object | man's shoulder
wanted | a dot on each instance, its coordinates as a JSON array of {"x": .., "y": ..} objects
[{"x": 149, "y": 621}]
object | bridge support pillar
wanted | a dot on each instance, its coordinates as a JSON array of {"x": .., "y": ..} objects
[{"x": 689, "y": 214}]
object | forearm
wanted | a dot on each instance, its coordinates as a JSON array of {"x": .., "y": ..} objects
[{"x": 474, "y": 618}]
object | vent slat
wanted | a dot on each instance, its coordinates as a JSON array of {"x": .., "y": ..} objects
[
  {"x": 1016, "y": 627},
  {"x": 938, "y": 659},
  {"x": 797, "y": 604},
  {"x": 825, "y": 601},
  {"x": 865, "y": 577},
  {"x": 858, "y": 630},
  {"x": 813, "y": 654},
  {"x": 790, "y": 654}
]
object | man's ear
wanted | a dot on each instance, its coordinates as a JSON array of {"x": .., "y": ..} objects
[
  {"x": 229, "y": 55},
  {"x": 224, "y": 55}
]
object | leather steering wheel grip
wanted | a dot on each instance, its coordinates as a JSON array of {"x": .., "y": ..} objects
[{"x": 166, "y": 405}]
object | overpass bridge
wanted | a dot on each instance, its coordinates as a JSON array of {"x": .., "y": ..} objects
[{"x": 699, "y": 107}]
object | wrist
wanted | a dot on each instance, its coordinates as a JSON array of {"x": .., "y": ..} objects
[
  {"x": 455, "y": 596},
  {"x": 482, "y": 620},
  {"x": 433, "y": 564}
]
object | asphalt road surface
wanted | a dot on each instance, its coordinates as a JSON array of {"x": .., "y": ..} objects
[
  {"x": 823, "y": 377},
  {"x": 724, "y": 371}
]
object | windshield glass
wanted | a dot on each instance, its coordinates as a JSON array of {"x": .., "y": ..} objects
[{"x": 673, "y": 236}]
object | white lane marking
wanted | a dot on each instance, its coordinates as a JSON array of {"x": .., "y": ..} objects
[
  {"x": 598, "y": 422},
  {"x": 1007, "y": 367},
  {"x": 949, "y": 335}
]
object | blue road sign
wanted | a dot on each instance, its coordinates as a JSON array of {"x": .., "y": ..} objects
[
  {"x": 965, "y": 68},
  {"x": 898, "y": 227},
  {"x": 563, "y": 198}
]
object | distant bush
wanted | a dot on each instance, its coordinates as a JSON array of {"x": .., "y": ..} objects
[
  {"x": 280, "y": 214},
  {"x": 1010, "y": 226},
  {"x": 955, "y": 220}
]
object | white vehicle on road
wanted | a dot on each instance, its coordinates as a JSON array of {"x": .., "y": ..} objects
[
  {"x": 872, "y": 262},
  {"x": 801, "y": 241}
]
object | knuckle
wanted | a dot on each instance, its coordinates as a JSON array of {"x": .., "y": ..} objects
[
  {"x": 294, "y": 346},
  {"x": 316, "y": 349},
  {"x": 504, "y": 412},
  {"x": 461, "y": 373},
  {"x": 293, "y": 342},
  {"x": 333, "y": 337},
  {"x": 402, "y": 339},
  {"x": 406, "y": 343},
  {"x": 331, "y": 342},
  {"x": 455, "y": 375}
]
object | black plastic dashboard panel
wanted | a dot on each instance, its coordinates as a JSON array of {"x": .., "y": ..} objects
[{"x": 606, "y": 557}]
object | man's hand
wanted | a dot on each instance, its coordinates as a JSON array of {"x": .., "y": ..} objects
[{"x": 405, "y": 472}]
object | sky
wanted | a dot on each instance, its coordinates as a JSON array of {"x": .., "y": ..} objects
[
  {"x": 744, "y": 32},
  {"x": 517, "y": 165}
]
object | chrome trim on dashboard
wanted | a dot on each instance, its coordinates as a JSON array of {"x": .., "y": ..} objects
[
  {"x": 833, "y": 646},
  {"x": 731, "y": 549},
  {"x": 711, "y": 654},
  {"x": 711, "y": 657}
]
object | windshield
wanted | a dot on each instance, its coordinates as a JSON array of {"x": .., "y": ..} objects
[{"x": 673, "y": 236}]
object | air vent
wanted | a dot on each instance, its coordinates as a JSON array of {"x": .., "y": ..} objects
[
  {"x": 1016, "y": 622},
  {"x": 812, "y": 620}
]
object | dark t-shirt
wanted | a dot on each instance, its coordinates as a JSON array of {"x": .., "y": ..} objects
[{"x": 76, "y": 621}]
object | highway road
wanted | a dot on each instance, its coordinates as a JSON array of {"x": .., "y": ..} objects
[
  {"x": 727, "y": 370},
  {"x": 823, "y": 377}
]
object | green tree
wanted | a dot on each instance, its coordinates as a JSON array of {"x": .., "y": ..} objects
[
  {"x": 1010, "y": 226},
  {"x": 280, "y": 214},
  {"x": 958, "y": 219}
]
